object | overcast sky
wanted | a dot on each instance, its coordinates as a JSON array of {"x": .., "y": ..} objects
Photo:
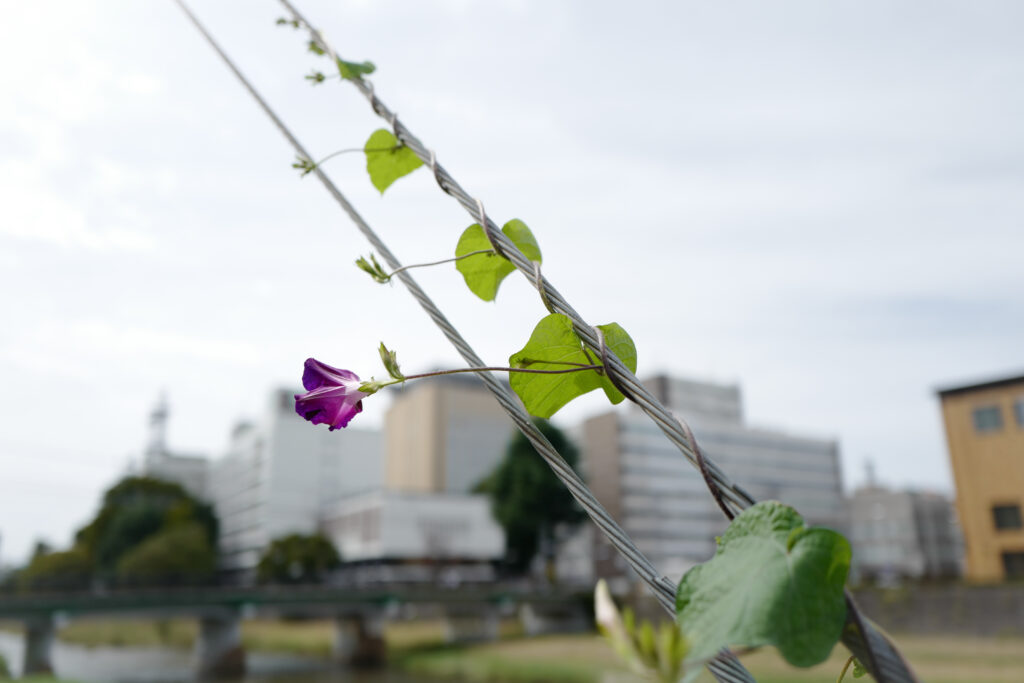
[{"x": 820, "y": 201}]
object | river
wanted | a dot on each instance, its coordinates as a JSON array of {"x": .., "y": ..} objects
[{"x": 162, "y": 665}]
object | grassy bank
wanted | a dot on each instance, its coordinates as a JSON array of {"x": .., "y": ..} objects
[
  {"x": 587, "y": 659},
  {"x": 416, "y": 647}
]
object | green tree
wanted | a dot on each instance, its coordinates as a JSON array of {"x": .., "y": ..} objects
[
  {"x": 297, "y": 559},
  {"x": 135, "y": 510},
  {"x": 527, "y": 499},
  {"x": 57, "y": 571},
  {"x": 180, "y": 554}
]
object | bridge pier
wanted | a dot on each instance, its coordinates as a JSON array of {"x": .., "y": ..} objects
[
  {"x": 218, "y": 650},
  {"x": 359, "y": 640},
  {"x": 467, "y": 626},
  {"x": 39, "y": 635},
  {"x": 570, "y": 618}
]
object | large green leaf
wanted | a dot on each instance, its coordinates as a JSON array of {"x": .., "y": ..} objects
[
  {"x": 386, "y": 160},
  {"x": 553, "y": 346},
  {"x": 484, "y": 272},
  {"x": 353, "y": 71},
  {"x": 773, "y": 581}
]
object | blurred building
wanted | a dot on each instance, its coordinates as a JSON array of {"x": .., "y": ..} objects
[
  {"x": 660, "y": 499},
  {"x": 399, "y": 526},
  {"x": 158, "y": 461},
  {"x": 985, "y": 436},
  {"x": 444, "y": 435},
  {"x": 903, "y": 535},
  {"x": 281, "y": 474}
]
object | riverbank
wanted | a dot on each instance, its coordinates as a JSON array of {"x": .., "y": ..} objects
[
  {"x": 588, "y": 659},
  {"x": 417, "y": 648}
]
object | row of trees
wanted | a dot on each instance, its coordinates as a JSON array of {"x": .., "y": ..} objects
[{"x": 146, "y": 532}]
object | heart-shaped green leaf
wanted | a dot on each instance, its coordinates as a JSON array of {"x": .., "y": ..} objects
[
  {"x": 484, "y": 272},
  {"x": 353, "y": 71},
  {"x": 386, "y": 160},
  {"x": 772, "y": 581},
  {"x": 554, "y": 345}
]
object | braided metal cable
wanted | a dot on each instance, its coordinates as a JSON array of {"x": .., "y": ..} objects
[
  {"x": 737, "y": 498},
  {"x": 860, "y": 635},
  {"x": 726, "y": 668}
]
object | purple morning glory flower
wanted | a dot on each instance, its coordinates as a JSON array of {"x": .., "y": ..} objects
[{"x": 332, "y": 397}]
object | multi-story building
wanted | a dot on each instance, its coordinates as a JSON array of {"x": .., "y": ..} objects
[
  {"x": 280, "y": 475},
  {"x": 397, "y": 526},
  {"x": 985, "y": 435},
  {"x": 659, "y": 497},
  {"x": 444, "y": 436},
  {"x": 903, "y": 535}
]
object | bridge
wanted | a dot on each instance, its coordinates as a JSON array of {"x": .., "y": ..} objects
[{"x": 359, "y": 614}]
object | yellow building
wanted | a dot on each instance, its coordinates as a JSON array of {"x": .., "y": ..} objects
[
  {"x": 985, "y": 435},
  {"x": 443, "y": 435}
]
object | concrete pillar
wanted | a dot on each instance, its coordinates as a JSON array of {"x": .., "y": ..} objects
[
  {"x": 552, "y": 619},
  {"x": 465, "y": 626},
  {"x": 218, "y": 650},
  {"x": 359, "y": 640},
  {"x": 39, "y": 635}
]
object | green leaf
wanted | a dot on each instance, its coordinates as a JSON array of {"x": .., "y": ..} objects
[
  {"x": 386, "y": 160},
  {"x": 858, "y": 669},
  {"x": 772, "y": 581},
  {"x": 554, "y": 345},
  {"x": 353, "y": 71},
  {"x": 484, "y": 272}
]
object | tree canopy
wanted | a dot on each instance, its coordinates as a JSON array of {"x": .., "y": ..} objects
[
  {"x": 298, "y": 558},
  {"x": 527, "y": 499}
]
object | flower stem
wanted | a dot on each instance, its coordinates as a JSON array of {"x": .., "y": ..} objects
[
  {"x": 437, "y": 263},
  {"x": 356, "y": 149},
  {"x": 505, "y": 369},
  {"x": 437, "y": 373},
  {"x": 842, "y": 674}
]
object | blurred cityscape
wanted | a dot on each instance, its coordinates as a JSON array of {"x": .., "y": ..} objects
[
  {"x": 297, "y": 522},
  {"x": 396, "y": 499}
]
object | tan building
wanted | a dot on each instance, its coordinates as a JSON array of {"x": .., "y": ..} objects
[
  {"x": 443, "y": 436},
  {"x": 985, "y": 435}
]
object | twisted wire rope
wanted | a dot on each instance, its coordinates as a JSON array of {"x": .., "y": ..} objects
[
  {"x": 726, "y": 666},
  {"x": 860, "y": 635}
]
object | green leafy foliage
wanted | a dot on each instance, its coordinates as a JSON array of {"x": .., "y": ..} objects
[
  {"x": 353, "y": 71},
  {"x": 527, "y": 499},
  {"x": 315, "y": 48},
  {"x": 484, "y": 272},
  {"x": 135, "y": 509},
  {"x": 386, "y": 160},
  {"x": 374, "y": 268},
  {"x": 57, "y": 571},
  {"x": 390, "y": 360},
  {"x": 772, "y": 581},
  {"x": 297, "y": 558},
  {"x": 554, "y": 345},
  {"x": 181, "y": 554},
  {"x": 653, "y": 654},
  {"x": 858, "y": 669}
]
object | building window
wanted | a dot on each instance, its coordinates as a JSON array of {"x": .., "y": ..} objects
[
  {"x": 988, "y": 419},
  {"x": 1013, "y": 565},
  {"x": 1007, "y": 516},
  {"x": 1018, "y": 409}
]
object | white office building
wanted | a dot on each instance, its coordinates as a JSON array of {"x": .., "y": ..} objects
[
  {"x": 903, "y": 535},
  {"x": 660, "y": 498},
  {"x": 280, "y": 475},
  {"x": 396, "y": 526}
]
